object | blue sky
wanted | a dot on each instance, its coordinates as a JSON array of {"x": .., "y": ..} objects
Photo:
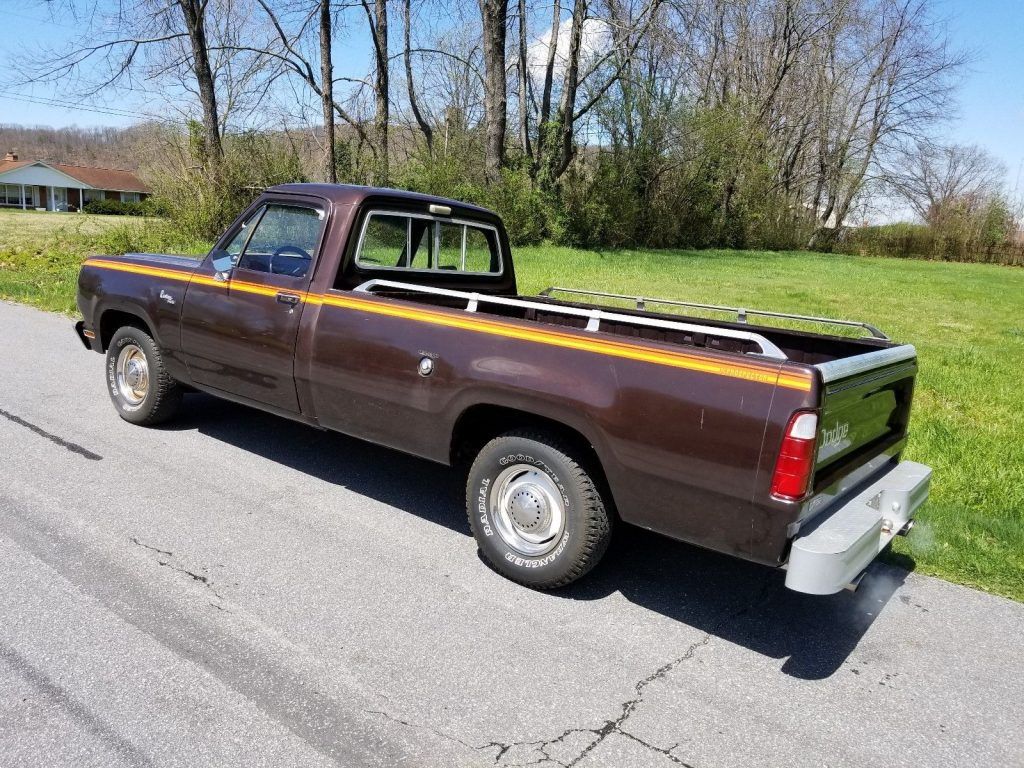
[{"x": 991, "y": 98}]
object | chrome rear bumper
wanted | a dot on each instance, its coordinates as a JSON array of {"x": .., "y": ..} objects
[{"x": 835, "y": 549}]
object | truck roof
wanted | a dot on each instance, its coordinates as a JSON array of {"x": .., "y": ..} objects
[{"x": 353, "y": 194}]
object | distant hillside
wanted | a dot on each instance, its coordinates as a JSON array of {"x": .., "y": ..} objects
[{"x": 101, "y": 147}]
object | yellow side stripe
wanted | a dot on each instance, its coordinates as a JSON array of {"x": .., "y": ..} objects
[
  {"x": 567, "y": 341},
  {"x": 124, "y": 266},
  {"x": 477, "y": 324}
]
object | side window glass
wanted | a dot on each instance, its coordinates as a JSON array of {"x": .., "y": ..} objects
[
  {"x": 449, "y": 254},
  {"x": 225, "y": 259},
  {"x": 384, "y": 241},
  {"x": 234, "y": 249},
  {"x": 467, "y": 249},
  {"x": 284, "y": 242}
]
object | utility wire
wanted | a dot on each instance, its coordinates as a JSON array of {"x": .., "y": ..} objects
[{"x": 109, "y": 111}]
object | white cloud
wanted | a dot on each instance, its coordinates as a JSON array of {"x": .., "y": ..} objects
[{"x": 596, "y": 40}]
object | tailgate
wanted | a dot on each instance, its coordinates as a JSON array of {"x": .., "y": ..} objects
[{"x": 865, "y": 409}]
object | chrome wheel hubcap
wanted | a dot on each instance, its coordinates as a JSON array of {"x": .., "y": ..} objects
[
  {"x": 132, "y": 374},
  {"x": 527, "y": 509}
]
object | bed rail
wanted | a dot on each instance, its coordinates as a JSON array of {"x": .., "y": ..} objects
[
  {"x": 741, "y": 313},
  {"x": 594, "y": 316}
]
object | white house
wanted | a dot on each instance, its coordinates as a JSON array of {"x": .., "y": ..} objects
[{"x": 50, "y": 186}]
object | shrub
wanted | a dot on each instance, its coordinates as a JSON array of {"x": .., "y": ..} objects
[
  {"x": 118, "y": 208},
  {"x": 146, "y": 237},
  {"x": 991, "y": 242},
  {"x": 202, "y": 199}
]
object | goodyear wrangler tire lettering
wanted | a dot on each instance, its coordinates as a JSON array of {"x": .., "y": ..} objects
[{"x": 535, "y": 511}]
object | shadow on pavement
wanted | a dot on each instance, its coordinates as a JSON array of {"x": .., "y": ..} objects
[
  {"x": 744, "y": 603},
  {"x": 428, "y": 490},
  {"x": 737, "y": 601}
]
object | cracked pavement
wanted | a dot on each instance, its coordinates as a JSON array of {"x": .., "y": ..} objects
[{"x": 236, "y": 589}]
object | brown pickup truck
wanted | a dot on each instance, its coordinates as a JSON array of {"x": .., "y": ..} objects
[{"x": 394, "y": 317}]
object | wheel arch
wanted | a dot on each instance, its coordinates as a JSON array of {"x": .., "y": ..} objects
[
  {"x": 477, "y": 424},
  {"x": 113, "y": 317}
]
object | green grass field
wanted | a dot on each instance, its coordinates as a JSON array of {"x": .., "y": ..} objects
[
  {"x": 966, "y": 320},
  {"x": 40, "y": 252}
]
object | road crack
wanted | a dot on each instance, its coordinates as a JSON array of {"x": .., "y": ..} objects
[
  {"x": 135, "y": 541},
  {"x": 628, "y": 708},
  {"x": 616, "y": 726},
  {"x": 164, "y": 560},
  {"x": 418, "y": 726}
]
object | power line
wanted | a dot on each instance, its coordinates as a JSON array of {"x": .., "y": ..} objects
[
  {"x": 109, "y": 111},
  {"x": 51, "y": 102}
]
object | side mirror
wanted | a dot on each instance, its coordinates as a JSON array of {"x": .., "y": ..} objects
[{"x": 222, "y": 262}]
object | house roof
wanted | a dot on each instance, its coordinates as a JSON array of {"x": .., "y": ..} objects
[
  {"x": 96, "y": 178},
  {"x": 10, "y": 165}
]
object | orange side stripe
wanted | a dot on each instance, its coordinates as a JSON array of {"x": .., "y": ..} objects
[
  {"x": 554, "y": 338},
  {"x": 122, "y": 266},
  {"x": 478, "y": 324},
  {"x": 482, "y": 323}
]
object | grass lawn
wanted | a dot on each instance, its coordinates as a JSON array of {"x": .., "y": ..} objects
[
  {"x": 966, "y": 320},
  {"x": 40, "y": 252}
]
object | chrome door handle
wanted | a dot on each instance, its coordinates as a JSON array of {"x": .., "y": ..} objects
[{"x": 290, "y": 299}]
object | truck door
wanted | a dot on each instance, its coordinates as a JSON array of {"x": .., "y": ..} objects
[
  {"x": 367, "y": 355},
  {"x": 241, "y": 312}
]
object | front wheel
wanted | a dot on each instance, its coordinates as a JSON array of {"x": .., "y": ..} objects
[
  {"x": 536, "y": 513},
  {"x": 139, "y": 385}
]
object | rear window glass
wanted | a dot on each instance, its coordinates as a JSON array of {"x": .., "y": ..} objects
[
  {"x": 402, "y": 241},
  {"x": 481, "y": 247},
  {"x": 384, "y": 241}
]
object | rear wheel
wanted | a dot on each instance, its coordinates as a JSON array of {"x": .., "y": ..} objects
[
  {"x": 137, "y": 380},
  {"x": 535, "y": 511}
]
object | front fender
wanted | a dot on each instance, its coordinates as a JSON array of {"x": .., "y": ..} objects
[{"x": 132, "y": 307}]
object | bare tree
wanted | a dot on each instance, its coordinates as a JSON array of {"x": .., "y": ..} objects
[
  {"x": 128, "y": 40},
  {"x": 933, "y": 179},
  {"x": 287, "y": 47},
  {"x": 194, "y": 15},
  {"x": 421, "y": 120},
  {"x": 549, "y": 68},
  {"x": 555, "y": 146},
  {"x": 899, "y": 80},
  {"x": 377, "y": 17},
  {"x": 494, "y": 14},
  {"x": 523, "y": 75},
  {"x": 564, "y": 120},
  {"x": 327, "y": 93}
]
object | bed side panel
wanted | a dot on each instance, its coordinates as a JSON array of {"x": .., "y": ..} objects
[{"x": 680, "y": 444}]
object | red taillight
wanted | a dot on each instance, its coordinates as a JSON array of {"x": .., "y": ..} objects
[{"x": 796, "y": 458}]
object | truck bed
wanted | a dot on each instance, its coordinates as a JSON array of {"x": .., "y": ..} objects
[{"x": 797, "y": 346}]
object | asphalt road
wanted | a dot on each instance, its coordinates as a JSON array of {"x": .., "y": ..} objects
[{"x": 236, "y": 589}]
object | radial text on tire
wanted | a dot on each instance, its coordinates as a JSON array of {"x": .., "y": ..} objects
[{"x": 536, "y": 510}]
